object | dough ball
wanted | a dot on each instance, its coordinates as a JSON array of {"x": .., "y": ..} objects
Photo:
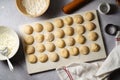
[
  {"x": 89, "y": 16},
  {"x": 60, "y": 43},
  {"x": 69, "y": 41},
  {"x": 49, "y": 37},
  {"x": 59, "y": 33},
  {"x": 80, "y": 29},
  {"x": 78, "y": 19},
  {"x": 58, "y": 23},
  {"x": 74, "y": 51},
  {"x": 84, "y": 50},
  {"x": 28, "y": 29},
  {"x": 94, "y": 47},
  {"x": 40, "y": 47},
  {"x": 48, "y": 26},
  {"x": 64, "y": 53},
  {"x": 39, "y": 37},
  {"x": 50, "y": 46},
  {"x": 53, "y": 57},
  {"x": 30, "y": 49},
  {"x": 42, "y": 57},
  {"x": 69, "y": 30},
  {"x": 68, "y": 20},
  {"x": 93, "y": 36},
  {"x": 38, "y": 27},
  {"x": 90, "y": 26},
  {"x": 80, "y": 39},
  {"x": 29, "y": 39},
  {"x": 32, "y": 58}
]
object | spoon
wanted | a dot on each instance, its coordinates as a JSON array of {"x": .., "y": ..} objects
[{"x": 5, "y": 53}]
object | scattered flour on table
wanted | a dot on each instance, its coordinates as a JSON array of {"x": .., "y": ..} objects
[{"x": 34, "y": 7}]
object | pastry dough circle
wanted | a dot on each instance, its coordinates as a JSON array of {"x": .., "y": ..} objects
[
  {"x": 64, "y": 53},
  {"x": 80, "y": 39},
  {"x": 28, "y": 39},
  {"x": 53, "y": 57},
  {"x": 38, "y": 27},
  {"x": 74, "y": 51},
  {"x": 94, "y": 47},
  {"x": 60, "y": 43},
  {"x": 80, "y": 29},
  {"x": 59, "y": 33},
  {"x": 89, "y": 16},
  {"x": 69, "y": 30},
  {"x": 48, "y": 26},
  {"x": 50, "y": 46},
  {"x": 49, "y": 37},
  {"x": 68, "y": 20},
  {"x": 40, "y": 47},
  {"x": 32, "y": 58},
  {"x": 69, "y": 41},
  {"x": 28, "y": 29},
  {"x": 58, "y": 23},
  {"x": 84, "y": 50},
  {"x": 30, "y": 49},
  {"x": 42, "y": 57},
  {"x": 90, "y": 26},
  {"x": 39, "y": 37},
  {"x": 78, "y": 19},
  {"x": 93, "y": 36}
]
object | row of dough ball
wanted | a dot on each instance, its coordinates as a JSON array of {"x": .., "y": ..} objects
[
  {"x": 70, "y": 41},
  {"x": 80, "y": 29},
  {"x": 74, "y": 51}
]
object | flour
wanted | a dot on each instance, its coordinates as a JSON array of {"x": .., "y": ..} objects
[
  {"x": 34, "y": 7},
  {"x": 7, "y": 40}
]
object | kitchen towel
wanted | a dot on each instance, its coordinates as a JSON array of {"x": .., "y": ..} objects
[{"x": 92, "y": 71}]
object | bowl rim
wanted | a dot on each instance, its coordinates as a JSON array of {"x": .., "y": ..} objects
[
  {"x": 33, "y": 16},
  {"x": 18, "y": 43}
]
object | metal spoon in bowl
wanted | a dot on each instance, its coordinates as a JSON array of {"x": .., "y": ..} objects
[{"x": 5, "y": 53}]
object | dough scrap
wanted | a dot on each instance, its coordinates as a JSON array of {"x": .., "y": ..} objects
[
  {"x": 38, "y": 27},
  {"x": 53, "y": 57},
  {"x": 32, "y": 58},
  {"x": 28, "y": 39},
  {"x": 29, "y": 49},
  {"x": 78, "y": 19},
  {"x": 84, "y": 50},
  {"x": 42, "y": 57},
  {"x": 40, "y": 47},
  {"x": 28, "y": 29}
]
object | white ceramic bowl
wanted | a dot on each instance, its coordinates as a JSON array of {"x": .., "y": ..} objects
[{"x": 15, "y": 37}]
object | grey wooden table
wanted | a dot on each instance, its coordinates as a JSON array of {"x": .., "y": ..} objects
[{"x": 10, "y": 17}]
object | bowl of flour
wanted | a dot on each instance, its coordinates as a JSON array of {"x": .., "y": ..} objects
[
  {"x": 32, "y": 8},
  {"x": 9, "y": 39}
]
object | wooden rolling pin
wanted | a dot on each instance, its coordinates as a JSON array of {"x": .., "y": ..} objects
[{"x": 74, "y": 5}]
